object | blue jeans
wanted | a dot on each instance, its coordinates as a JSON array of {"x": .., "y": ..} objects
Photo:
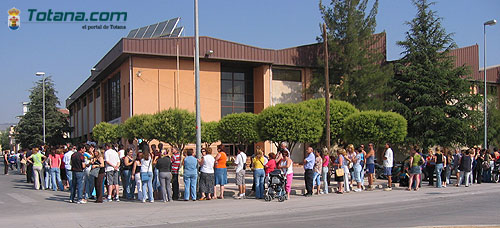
[
  {"x": 69, "y": 176},
  {"x": 55, "y": 174},
  {"x": 127, "y": 190},
  {"x": 156, "y": 179},
  {"x": 190, "y": 186},
  {"x": 324, "y": 176},
  {"x": 357, "y": 173},
  {"x": 48, "y": 178},
  {"x": 77, "y": 186},
  {"x": 258, "y": 176},
  {"x": 317, "y": 179},
  {"x": 439, "y": 169},
  {"x": 89, "y": 184},
  {"x": 148, "y": 186}
]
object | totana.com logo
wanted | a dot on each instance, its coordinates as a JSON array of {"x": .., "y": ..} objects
[{"x": 14, "y": 19}]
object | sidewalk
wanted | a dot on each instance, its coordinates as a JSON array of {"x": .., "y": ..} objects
[{"x": 298, "y": 184}]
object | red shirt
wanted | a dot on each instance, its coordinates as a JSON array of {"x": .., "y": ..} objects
[{"x": 270, "y": 166}]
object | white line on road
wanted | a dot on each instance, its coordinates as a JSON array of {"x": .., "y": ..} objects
[{"x": 21, "y": 198}]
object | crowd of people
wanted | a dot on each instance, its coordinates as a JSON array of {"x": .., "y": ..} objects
[{"x": 149, "y": 172}]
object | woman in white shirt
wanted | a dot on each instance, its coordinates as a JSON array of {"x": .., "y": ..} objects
[
  {"x": 207, "y": 178},
  {"x": 147, "y": 176}
]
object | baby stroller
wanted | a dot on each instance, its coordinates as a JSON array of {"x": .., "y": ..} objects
[{"x": 276, "y": 186}]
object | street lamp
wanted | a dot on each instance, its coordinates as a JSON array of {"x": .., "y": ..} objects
[
  {"x": 42, "y": 74},
  {"x": 490, "y": 22}
]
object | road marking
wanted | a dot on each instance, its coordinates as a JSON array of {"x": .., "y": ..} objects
[{"x": 21, "y": 198}]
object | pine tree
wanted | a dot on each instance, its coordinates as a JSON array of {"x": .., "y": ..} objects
[
  {"x": 356, "y": 71},
  {"x": 429, "y": 91},
  {"x": 30, "y": 127}
]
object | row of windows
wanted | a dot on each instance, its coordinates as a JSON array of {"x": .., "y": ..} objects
[{"x": 236, "y": 91}]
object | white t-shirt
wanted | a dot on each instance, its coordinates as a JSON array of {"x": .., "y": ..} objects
[
  {"x": 112, "y": 157},
  {"x": 121, "y": 153},
  {"x": 241, "y": 160},
  {"x": 389, "y": 155},
  {"x": 208, "y": 164},
  {"x": 67, "y": 159},
  {"x": 146, "y": 166}
]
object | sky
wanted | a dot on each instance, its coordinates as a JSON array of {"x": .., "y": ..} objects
[{"x": 67, "y": 52}]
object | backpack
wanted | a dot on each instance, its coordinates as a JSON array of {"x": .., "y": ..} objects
[{"x": 486, "y": 165}]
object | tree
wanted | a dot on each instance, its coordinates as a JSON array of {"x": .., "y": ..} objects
[
  {"x": 139, "y": 127},
  {"x": 177, "y": 127},
  {"x": 239, "y": 129},
  {"x": 375, "y": 127},
  {"x": 4, "y": 140},
  {"x": 30, "y": 127},
  {"x": 209, "y": 133},
  {"x": 105, "y": 133},
  {"x": 292, "y": 123},
  {"x": 357, "y": 68},
  {"x": 493, "y": 124},
  {"x": 339, "y": 110},
  {"x": 429, "y": 91}
]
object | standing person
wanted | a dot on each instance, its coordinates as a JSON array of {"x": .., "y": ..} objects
[
  {"x": 22, "y": 157},
  {"x": 98, "y": 163},
  {"x": 207, "y": 178},
  {"x": 416, "y": 160},
  {"x": 241, "y": 163},
  {"x": 286, "y": 166},
  {"x": 370, "y": 165},
  {"x": 430, "y": 166},
  {"x": 156, "y": 173},
  {"x": 164, "y": 166},
  {"x": 466, "y": 168},
  {"x": 318, "y": 164},
  {"x": 29, "y": 168},
  {"x": 259, "y": 174},
  {"x": 487, "y": 167},
  {"x": 449, "y": 167},
  {"x": 363, "y": 165},
  {"x": 220, "y": 170},
  {"x": 440, "y": 163},
  {"x": 388, "y": 161},
  {"x": 147, "y": 176},
  {"x": 128, "y": 162},
  {"x": 339, "y": 170},
  {"x": 357, "y": 171},
  {"x": 37, "y": 159},
  {"x": 77, "y": 166},
  {"x": 479, "y": 166},
  {"x": 88, "y": 180},
  {"x": 269, "y": 167},
  {"x": 6, "y": 162},
  {"x": 324, "y": 171},
  {"x": 351, "y": 153},
  {"x": 55, "y": 172},
  {"x": 190, "y": 164},
  {"x": 136, "y": 170},
  {"x": 309, "y": 173},
  {"x": 67, "y": 165},
  {"x": 112, "y": 160},
  {"x": 457, "y": 157},
  {"x": 176, "y": 163}
]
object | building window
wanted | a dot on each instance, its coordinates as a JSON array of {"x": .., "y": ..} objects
[
  {"x": 236, "y": 91},
  {"x": 84, "y": 101},
  {"x": 78, "y": 106},
  {"x": 287, "y": 75},
  {"x": 91, "y": 96},
  {"x": 98, "y": 92},
  {"x": 113, "y": 104}
]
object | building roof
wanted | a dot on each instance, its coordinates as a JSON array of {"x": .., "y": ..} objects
[{"x": 300, "y": 56}]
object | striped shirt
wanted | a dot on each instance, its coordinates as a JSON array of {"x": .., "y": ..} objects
[{"x": 176, "y": 163}]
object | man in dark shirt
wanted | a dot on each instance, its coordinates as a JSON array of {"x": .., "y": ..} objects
[{"x": 77, "y": 166}]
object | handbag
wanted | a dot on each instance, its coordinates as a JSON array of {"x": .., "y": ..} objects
[
  {"x": 145, "y": 175},
  {"x": 339, "y": 172},
  {"x": 94, "y": 172}
]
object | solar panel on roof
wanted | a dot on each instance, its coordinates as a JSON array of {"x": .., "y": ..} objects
[
  {"x": 132, "y": 33},
  {"x": 170, "y": 27},
  {"x": 141, "y": 32},
  {"x": 159, "y": 29},
  {"x": 177, "y": 32},
  {"x": 150, "y": 31}
]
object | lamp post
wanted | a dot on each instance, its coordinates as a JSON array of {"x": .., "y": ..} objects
[
  {"x": 42, "y": 74},
  {"x": 490, "y": 22},
  {"x": 197, "y": 80}
]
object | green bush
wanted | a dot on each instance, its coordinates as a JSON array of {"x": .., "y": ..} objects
[
  {"x": 105, "y": 132},
  {"x": 139, "y": 127},
  {"x": 375, "y": 127},
  {"x": 209, "y": 133},
  {"x": 177, "y": 127},
  {"x": 239, "y": 129},
  {"x": 292, "y": 123},
  {"x": 339, "y": 111}
]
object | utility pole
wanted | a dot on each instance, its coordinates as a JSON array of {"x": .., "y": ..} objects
[
  {"x": 197, "y": 80},
  {"x": 327, "y": 91}
]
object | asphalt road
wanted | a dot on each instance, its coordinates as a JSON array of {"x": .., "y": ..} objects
[{"x": 477, "y": 205}]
